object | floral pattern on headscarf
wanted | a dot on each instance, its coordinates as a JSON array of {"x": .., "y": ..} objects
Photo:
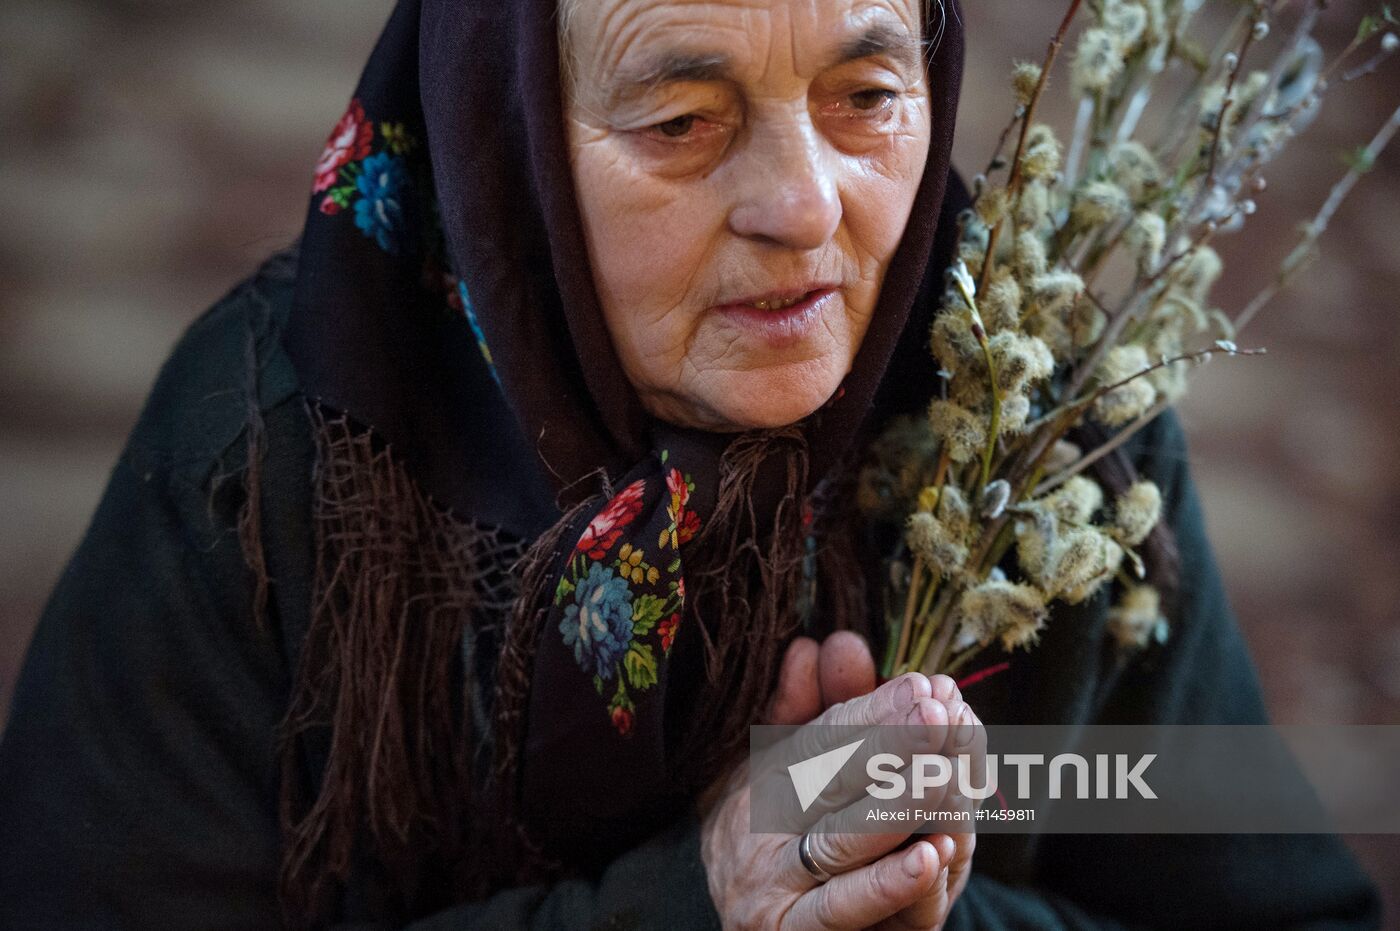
[
  {"x": 618, "y": 606},
  {"x": 367, "y": 171}
]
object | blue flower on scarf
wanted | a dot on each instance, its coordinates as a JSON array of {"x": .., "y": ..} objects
[
  {"x": 598, "y": 625},
  {"x": 379, "y": 211}
]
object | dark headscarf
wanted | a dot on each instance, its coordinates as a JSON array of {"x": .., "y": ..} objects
[{"x": 447, "y": 333}]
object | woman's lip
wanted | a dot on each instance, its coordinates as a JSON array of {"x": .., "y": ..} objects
[
  {"x": 787, "y": 295},
  {"x": 778, "y": 329}
]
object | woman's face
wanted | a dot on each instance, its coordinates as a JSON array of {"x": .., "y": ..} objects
[{"x": 745, "y": 170}]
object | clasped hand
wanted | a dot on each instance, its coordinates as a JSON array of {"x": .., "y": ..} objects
[{"x": 879, "y": 880}]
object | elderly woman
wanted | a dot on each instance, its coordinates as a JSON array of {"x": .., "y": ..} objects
[{"x": 455, "y": 552}]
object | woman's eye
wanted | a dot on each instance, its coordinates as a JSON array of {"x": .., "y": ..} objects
[
  {"x": 676, "y": 128},
  {"x": 874, "y": 98}
]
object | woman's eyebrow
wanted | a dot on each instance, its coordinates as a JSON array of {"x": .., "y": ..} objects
[
  {"x": 674, "y": 67},
  {"x": 882, "y": 39},
  {"x": 669, "y": 68}
]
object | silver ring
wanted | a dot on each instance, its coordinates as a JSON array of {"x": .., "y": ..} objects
[{"x": 809, "y": 863}]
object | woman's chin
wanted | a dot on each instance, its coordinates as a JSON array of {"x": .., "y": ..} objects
[
  {"x": 749, "y": 399},
  {"x": 774, "y": 397}
]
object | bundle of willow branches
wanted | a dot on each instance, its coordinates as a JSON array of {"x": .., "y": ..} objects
[{"x": 1081, "y": 292}]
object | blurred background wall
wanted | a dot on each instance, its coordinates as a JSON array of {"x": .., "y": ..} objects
[{"x": 153, "y": 151}]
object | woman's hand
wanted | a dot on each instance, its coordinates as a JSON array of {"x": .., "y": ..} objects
[
  {"x": 812, "y": 679},
  {"x": 815, "y": 678},
  {"x": 757, "y": 880}
]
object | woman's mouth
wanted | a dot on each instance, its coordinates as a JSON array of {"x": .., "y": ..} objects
[{"x": 780, "y": 321}]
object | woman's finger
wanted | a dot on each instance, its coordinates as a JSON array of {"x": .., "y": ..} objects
[
  {"x": 891, "y": 703},
  {"x": 947, "y": 846},
  {"x": 922, "y": 729},
  {"x": 927, "y": 913},
  {"x": 887, "y": 704},
  {"x": 846, "y": 668},
  {"x": 798, "y": 697},
  {"x": 869, "y": 895},
  {"x": 931, "y": 910},
  {"x": 960, "y": 866}
]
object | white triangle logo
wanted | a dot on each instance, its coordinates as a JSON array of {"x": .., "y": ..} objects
[{"x": 812, "y": 776}]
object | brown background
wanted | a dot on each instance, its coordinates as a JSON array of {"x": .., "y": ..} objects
[{"x": 155, "y": 150}]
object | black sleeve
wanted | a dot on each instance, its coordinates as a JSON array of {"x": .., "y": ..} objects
[
  {"x": 138, "y": 767},
  {"x": 139, "y": 770},
  {"x": 660, "y": 884},
  {"x": 1203, "y": 674}
]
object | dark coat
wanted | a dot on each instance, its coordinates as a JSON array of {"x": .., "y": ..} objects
[{"x": 139, "y": 778}]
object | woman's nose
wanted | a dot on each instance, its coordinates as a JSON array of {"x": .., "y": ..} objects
[{"x": 787, "y": 187}]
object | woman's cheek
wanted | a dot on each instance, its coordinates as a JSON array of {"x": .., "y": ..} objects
[
  {"x": 651, "y": 284},
  {"x": 885, "y": 186},
  {"x": 639, "y": 242}
]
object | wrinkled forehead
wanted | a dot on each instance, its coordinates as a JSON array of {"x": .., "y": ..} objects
[{"x": 613, "y": 45}]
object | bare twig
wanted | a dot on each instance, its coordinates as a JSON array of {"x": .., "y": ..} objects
[
  {"x": 1366, "y": 67},
  {"x": 1313, "y": 231},
  {"x": 1118, "y": 439}
]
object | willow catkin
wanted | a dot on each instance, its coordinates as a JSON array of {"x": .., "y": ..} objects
[{"x": 1137, "y": 511}]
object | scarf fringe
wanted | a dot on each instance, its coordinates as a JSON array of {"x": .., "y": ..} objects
[
  {"x": 744, "y": 585},
  {"x": 397, "y": 579}
]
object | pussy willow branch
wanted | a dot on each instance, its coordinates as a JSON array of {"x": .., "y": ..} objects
[
  {"x": 1356, "y": 42},
  {"x": 1175, "y": 134},
  {"x": 1023, "y": 463},
  {"x": 980, "y": 332},
  {"x": 903, "y": 648},
  {"x": 1314, "y": 230},
  {"x": 1118, "y": 439},
  {"x": 1368, "y": 66},
  {"x": 1078, "y": 140},
  {"x": 1055, "y": 424},
  {"x": 1228, "y": 100},
  {"x": 1281, "y": 63},
  {"x": 1137, "y": 296},
  {"x": 1001, "y": 141},
  {"x": 1013, "y": 185},
  {"x": 1207, "y": 186}
]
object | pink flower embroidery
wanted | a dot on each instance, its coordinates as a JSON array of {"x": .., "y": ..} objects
[
  {"x": 348, "y": 142},
  {"x": 685, "y": 523},
  {"x": 680, "y": 491},
  {"x": 604, "y": 530}
]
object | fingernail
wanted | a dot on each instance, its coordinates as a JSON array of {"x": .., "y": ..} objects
[
  {"x": 967, "y": 728},
  {"x": 905, "y": 694},
  {"x": 916, "y": 714},
  {"x": 914, "y": 861}
]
